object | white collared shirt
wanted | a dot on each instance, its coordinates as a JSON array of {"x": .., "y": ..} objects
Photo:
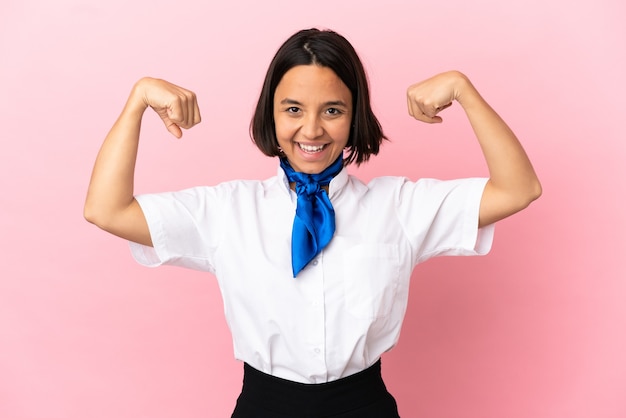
[{"x": 346, "y": 307}]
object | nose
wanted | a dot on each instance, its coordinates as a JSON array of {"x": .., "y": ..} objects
[{"x": 311, "y": 127}]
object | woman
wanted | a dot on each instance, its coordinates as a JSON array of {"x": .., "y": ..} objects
[{"x": 313, "y": 265}]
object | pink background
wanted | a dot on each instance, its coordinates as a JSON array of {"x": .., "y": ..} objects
[{"x": 535, "y": 329}]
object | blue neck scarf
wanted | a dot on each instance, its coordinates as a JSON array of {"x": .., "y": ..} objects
[{"x": 314, "y": 223}]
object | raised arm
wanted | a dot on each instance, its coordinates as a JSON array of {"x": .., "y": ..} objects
[
  {"x": 110, "y": 202},
  {"x": 512, "y": 184}
]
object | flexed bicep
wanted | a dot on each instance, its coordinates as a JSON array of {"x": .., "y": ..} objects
[{"x": 110, "y": 202}]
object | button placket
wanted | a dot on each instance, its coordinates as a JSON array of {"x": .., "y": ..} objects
[{"x": 318, "y": 337}]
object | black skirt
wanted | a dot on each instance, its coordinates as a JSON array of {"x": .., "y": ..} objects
[{"x": 361, "y": 395}]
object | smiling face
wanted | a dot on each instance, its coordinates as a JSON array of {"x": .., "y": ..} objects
[{"x": 312, "y": 117}]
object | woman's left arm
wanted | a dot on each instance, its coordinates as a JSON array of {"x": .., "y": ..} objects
[{"x": 512, "y": 183}]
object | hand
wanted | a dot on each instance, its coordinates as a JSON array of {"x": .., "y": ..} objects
[
  {"x": 176, "y": 106},
  {"x": 429, "y": 97}
]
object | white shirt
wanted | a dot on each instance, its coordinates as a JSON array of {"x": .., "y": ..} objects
[{"x": 346, "y": 307}]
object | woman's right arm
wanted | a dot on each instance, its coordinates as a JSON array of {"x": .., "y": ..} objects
[{"x": 110, "y": 202}]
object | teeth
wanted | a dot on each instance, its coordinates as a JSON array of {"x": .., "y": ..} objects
[{"x": 311, "y": 148}]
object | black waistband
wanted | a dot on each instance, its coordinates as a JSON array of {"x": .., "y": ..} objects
[{"x": 280, "y": 397}]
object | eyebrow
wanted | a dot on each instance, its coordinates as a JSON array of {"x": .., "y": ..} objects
[{"x": 329, "y": 103}]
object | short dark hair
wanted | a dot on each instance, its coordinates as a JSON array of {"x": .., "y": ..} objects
[{"x": 327, "y": 49}]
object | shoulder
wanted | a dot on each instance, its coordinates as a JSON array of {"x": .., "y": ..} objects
[
  {"x": 387, "y": 181},
  {"x": 240, "y": 186},
  {"x": 423, "y": 184},
  {"x": 404, "y": 189},
  {"x": 223, "y": 190},
  {"x": 387, "y": 185},
  {"x": 244, "y": 189},
  {"x": 378, "y": 189}
]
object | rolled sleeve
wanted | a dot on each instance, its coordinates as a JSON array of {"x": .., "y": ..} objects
[
  {"x": 441, "y": 218},
  {"x": 183, "y": 229}
]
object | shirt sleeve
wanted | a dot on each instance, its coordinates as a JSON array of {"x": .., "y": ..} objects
[
  {"x": 184, "y": 227},
  {"x": 441, "y": 217}
]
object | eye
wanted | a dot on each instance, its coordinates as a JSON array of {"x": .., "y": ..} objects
[
  {"x": 292, "y": 109},
  {"x": 333, "y": 111}
]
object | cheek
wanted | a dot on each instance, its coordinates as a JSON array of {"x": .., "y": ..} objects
[
  {"x": 284, "y": 128},
  {"x": 279, "y": 129},
  {"x": 342, "y": 133}
]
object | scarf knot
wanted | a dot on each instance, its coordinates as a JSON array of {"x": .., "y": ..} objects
[
  {"x": 314, "y": 221},
  {"x": 307, "y": 187}
]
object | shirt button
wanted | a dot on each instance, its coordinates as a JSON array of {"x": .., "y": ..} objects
[
  {"x": 317, "y": 350},
  {"x": 314, "y": 262}
]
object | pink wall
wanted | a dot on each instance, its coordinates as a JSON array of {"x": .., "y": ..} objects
[{"x": 535, "y": 329}]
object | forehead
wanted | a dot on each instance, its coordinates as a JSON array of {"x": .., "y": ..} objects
[{"x": 312, "y": 82}]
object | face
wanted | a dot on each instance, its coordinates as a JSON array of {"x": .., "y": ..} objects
[{"x": 312, "y": 116}]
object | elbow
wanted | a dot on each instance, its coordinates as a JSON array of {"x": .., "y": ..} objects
[
  {"x": 532, "y": 193},
  {"x": 498, "y": 204},
  {"x": 535, "y": 191},
  {"x": 90, "y": 214},
  {"x": 95, "y": 215}
]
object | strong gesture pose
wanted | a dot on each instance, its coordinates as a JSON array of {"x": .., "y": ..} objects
[{"x": 313, "y": 264}]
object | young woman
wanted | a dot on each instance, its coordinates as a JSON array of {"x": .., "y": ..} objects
[{"x": 313, "y": 265}]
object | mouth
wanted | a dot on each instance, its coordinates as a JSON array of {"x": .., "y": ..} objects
[{"x": 311, "y": 149}]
